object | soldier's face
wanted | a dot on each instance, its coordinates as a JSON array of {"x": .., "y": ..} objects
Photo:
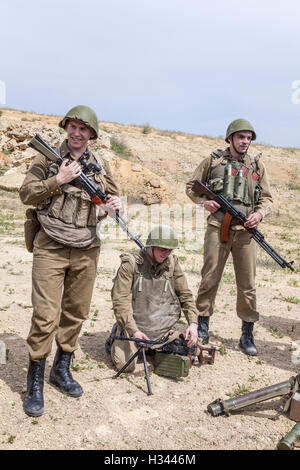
[
  {"x": 160, "y": 254},
  {"x": 78, "y": 134},
  {"x": 240, "y": 141}
]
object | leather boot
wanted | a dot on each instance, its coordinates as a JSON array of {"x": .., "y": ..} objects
[
  {"x": 61, "y": 377},
  {"x": 247, "y": 341},
  {"x": 34, "y": 400},
  {"x": 203, "y": 324}
]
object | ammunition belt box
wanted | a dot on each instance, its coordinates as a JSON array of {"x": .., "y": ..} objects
[{"x": 171, "y": 365}]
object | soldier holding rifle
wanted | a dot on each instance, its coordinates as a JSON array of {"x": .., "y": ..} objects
[
  {"x": 62, "y": 236},
  {"x": 242, "y": 179}
]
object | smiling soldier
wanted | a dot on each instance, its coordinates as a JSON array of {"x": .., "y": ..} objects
[
  {"x": 242, "y": 179},
  {"x": 65, "y": 253}
]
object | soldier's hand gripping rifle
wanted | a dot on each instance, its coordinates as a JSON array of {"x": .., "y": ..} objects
[
  {"x": 97, "y": 195},
  {"x": 201, "y": 189},
  {"x": 141, "y": 344}
]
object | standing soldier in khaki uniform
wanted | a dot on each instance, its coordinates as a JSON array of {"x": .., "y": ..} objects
[
  {"x": 242, "y": 179},
  {"x": 65, "y": 253},
  {"x": 148, "y": 294}
]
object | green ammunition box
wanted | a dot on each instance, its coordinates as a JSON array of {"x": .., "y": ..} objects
[{"x": 171, "y": 365}]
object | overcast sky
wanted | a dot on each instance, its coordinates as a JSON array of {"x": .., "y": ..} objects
[{"x": 186, "y": 65}]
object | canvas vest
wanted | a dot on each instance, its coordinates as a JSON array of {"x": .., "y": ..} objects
[
  {"x": 70, "y": 218},
  {"x": 155, "y": 305},
  {"x": 238, "y": 181}
]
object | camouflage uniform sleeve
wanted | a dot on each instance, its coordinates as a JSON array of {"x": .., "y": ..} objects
[
  {"x": 122, "y": 297},
  {"x": 201, "y": 174},
  {"x": 184, "y": 295},
  {"x": 36, "y": 187},
  {"x": 265, "y": 202}
]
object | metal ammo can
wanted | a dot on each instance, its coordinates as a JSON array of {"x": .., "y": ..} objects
[{"x": 171, "y": 365}]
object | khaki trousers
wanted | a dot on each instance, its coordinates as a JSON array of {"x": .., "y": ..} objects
[
  {"x": 243, "y": 250},
  {"x": 62, "y": 287}
]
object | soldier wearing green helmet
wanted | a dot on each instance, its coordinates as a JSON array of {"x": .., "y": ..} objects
[
  {"x": 65, "y": 250},
  {"x": 239, "y": 125},
  {"x": 84, "y": 114},
  {"x": 149, "y": 292},
  {"x": 242, "y": 179}
]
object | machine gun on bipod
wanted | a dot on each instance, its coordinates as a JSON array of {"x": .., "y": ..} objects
[{"x": 142, "y": 345}]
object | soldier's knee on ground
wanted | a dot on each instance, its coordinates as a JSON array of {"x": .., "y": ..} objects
[{"x": 119, "y": 358}]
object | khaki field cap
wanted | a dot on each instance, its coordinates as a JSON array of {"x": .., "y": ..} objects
[
  {"x": 162, "y": 236},
  {"x": 239, "y": 125},
  {"x": 83, "y": 114}
]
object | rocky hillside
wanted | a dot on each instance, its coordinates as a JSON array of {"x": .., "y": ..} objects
[{"x": 152, "y": 165}]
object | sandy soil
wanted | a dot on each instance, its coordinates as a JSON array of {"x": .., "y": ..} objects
[{"x": 118, "y": 413}]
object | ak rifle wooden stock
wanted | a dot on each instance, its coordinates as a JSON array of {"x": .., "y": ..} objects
[
  {"x": 97, "y": 195},
  {"x": 200, "y": 188}
]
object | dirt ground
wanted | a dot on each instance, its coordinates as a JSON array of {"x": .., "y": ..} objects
[{"x": 118, "y": 413}]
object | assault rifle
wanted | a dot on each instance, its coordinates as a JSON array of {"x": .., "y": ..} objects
[
  {"x": 141, "y": 344},
  {"x": 200, "y": 187},
  {"x": 83, "y": 182}
]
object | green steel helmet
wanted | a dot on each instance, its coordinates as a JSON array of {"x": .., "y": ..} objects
[
  {"x": 85, "y": 115},
  {"x": 162, "y": 236},
  {"x": 239, "y": 125}
]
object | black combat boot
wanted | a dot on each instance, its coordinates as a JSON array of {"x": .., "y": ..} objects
[
  {"x": 61, "y": 377},
  {"x": 34, "y": 400},
  {"x": 247, "y": 341},
  {"x": 203, "y": 324}
]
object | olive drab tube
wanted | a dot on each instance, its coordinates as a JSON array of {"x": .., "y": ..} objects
[
  {"x": 219, "y": 407},
  {"x": 288, "y": 441}
]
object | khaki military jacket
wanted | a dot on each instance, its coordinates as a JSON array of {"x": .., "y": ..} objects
[
  {"x": 203, "y": 171},
  {"x": 122, "y": 292},
  {"x": 40, "y": 189}
]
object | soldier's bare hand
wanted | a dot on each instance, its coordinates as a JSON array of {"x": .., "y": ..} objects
[
  {"x": 192, "y": 334},
  {"x": 67, "y": 173},
  {"x": 140, "y": 335},
  {"x": 113, "y": 203},
  {"x": 253, "y": 220},
  {"x": 211, "y": 206}
]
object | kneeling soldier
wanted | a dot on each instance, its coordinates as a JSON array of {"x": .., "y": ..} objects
[{"x": 148, "y": 294}]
